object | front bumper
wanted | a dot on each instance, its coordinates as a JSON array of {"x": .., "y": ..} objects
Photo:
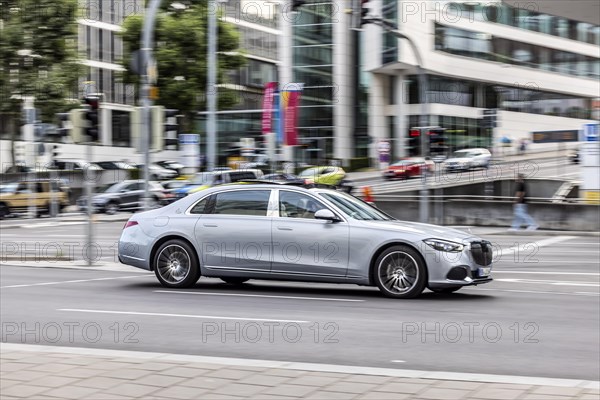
[{"x": 472, "y": 266}]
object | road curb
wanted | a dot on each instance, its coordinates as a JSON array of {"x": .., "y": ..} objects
[{"x": 312, "y": 367}]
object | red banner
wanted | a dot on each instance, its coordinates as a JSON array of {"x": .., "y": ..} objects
[
  {"x": 291, "y": 118},
  {"x": 267, "y": 119}
]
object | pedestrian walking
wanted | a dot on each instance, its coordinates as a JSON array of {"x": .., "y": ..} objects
[{"x": 521, "y": 217}]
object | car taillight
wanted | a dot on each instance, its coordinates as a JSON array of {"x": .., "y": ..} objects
[{"x": 130, "y": 223}]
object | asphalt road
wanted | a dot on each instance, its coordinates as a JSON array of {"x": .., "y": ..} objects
[{"x": 540, "y": 317}]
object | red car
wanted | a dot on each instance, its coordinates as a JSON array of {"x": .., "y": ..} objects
[{"x": 407, "y": 168}]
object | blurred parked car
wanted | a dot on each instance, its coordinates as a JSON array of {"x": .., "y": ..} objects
[
  {"x": 158, "y": 173},
  {"x": 173, "y": 165},
  {"x": 74, "y": 165},
  {"x": 126, "y": 195},
  {"x": 114, "y": 165},
  {"x": 408, "y": 168},
  {"x": 284, "y": 178},
  {"x": 204, "y": 180},
  {"x": 18, "y": 196},
  {"x": 464, "y": 160},
  {"x": 17, "y": 169},
  {"x": 324, "y": 175},
  {"x": 171, "y": 187}
]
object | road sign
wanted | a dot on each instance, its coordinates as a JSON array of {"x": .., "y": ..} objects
[
  {"x": 590, "y": 132},
  {"x": 189, "y": 138},
  {"x": 384, "y": 147},
  {"x": 555, "y": 136}
]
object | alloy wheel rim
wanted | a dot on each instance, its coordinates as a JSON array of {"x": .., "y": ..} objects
[
  {"x": 173, "y": 263},
  {"x": 398, "y": 272}
]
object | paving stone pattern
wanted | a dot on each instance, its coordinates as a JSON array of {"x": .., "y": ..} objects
[{"x": 59, "y": 375}]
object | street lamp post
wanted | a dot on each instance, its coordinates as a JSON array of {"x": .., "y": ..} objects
[
  {"x": 423, "y": 118},
  {"x": 211, "y": 87},
  {"x": 146, "y": 56}
]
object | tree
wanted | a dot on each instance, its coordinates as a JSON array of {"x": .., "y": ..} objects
[
  {"x": 38, "y": 58},
  {"x": 180, "y": 54}
]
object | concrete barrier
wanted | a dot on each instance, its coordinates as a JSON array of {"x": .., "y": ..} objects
[{"x": 563, "y": 216}]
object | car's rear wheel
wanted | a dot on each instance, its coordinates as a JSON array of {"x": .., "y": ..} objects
[
  {"x": 4, "y": 211},
  {"x": 111, "y": 208},
  {"x": 176, "y": 264},
  {"x": 445, "y": 290},
  {"x": 400, "y": 272},
  {"x": 234, "y": 280}
]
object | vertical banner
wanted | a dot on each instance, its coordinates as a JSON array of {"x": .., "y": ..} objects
[
  {"x": 290, "y": 103},
  {"x": 278, "y": 117},
  {"x": 268, "y": 100},
  {"x": 291, "y": 119}
]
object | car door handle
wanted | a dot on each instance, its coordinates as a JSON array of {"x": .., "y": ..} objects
[
  {"x": 284, "y": 228},
  {"x": 210, "y": 225}
]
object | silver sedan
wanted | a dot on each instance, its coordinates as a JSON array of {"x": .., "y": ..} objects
[{"x": 266, "y": 231}]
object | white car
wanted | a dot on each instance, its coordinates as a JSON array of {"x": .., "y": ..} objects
[
  {"x": 463, "y": 160},
  {"x": 158, "y": 173}
]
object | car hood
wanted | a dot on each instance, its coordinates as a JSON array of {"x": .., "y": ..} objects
[{"x": 424, "y": 231}]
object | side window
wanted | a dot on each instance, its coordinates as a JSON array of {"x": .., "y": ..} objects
[
  {"x": 243, "y": 202},
  {"x": 298, "y": 205},
  {"x": 200, "y": 207}
]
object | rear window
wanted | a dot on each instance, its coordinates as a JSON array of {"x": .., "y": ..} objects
[{"x": 242, "y": 202}]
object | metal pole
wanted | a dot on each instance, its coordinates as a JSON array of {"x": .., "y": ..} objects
[
  {"x": 146, "y": 55},
  {"x": 28, "y": 135},
  {"x": 211, "y": 87},
  {"x": 423, "y": 120},
  {"x": 90, "y": 207}
]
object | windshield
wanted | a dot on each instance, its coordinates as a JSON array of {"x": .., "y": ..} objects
[
  {"x": 461, "y": 154},
  {"x": 113, "y": 188},
  {"x": 309, "y": 172},
  {"x": 356, "y": 208},
  {"x": 204, "y": 178},
  {"x": 9, "y": 188}
]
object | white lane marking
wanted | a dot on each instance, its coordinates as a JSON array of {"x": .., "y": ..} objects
[
  {"x": 547, "y": 273},
  {"x": 539, "y": 292},
  {"x": 398, "y": 361},
  {"x": 181, "y": 315},
  {"x": 258, "y": 295},
  {"x": 525, "y": 247},
  {"x": 545, "y": 282},
  {"x": 74, "y": 281}
]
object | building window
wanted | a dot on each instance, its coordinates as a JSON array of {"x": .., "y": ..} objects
[{"x": 484, "y": 46}]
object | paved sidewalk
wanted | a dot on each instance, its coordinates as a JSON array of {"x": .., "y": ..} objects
[{"x": 43, "y": 372}]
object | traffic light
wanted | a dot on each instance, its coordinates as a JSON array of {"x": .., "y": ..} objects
[
  {"x": 171, "y": 125},
  {"x": 414, "y": 142},
  {"x": 63, "y": 126},
  {"x": 297, "y": 4},
  {"x": 92, "y": 116},
  {"x": 55, "y": 153}
]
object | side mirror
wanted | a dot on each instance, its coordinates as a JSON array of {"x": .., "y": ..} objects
[{"x": 327, "y": 215}]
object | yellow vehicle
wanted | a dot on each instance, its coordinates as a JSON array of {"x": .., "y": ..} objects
[
  {"x": 19, "y": 196},
  {"x": 325, "y": 175}
]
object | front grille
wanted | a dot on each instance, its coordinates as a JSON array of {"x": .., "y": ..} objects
[{"x": 482, "y": 252}]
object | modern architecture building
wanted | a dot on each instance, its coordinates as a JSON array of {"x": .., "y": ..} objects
[{"x": 540, "y": 71}]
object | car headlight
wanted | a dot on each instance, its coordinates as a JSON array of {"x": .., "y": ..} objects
[{"x": 444, "y": 245}]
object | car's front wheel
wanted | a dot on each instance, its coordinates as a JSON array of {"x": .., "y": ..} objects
[
  {"x": 176, "y": 264},
  {"x": 4, "y": 211},
  {"x": 400, "y": 272}
]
